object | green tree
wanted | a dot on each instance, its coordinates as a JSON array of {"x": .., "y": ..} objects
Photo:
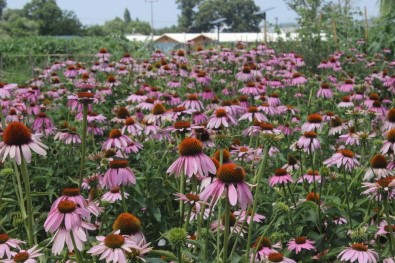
[
  {"x": 14, "y": 24},
  {"x": 238, "y": 13},
  {"x": 126, "y": 16},
  {"x": 51, "y": 19},
  {"x": 185, "y": 20},
  {"x": 3, "y": 4},
  {"x": 386, "y": 7}
]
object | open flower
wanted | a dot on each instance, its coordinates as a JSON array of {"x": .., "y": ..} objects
[
  {"x": 344, "y": 158},
  {"x": 7, "y": 243},
  {"x": 389, "y": 144},
  {"x": 66, "y": 214},
  {"x": 378, "y": 168},
  {"x": 112, "y": 248},
  {"x": 18, "y": 142},
  {"x": 358, "y": 253},
  {"x": 116, "y": 140},
  {"x": 230, "y": 177},
  {"x": 220, "y": 118},
  {"x": 192, "y": 160},
  {"x": 299, "y": 243},
  {"x": 281, "y": 176},
  {"x": 27, "y": 256},
  {"x": 314, "y": 123},
  {"x": 118, "y": 174}
]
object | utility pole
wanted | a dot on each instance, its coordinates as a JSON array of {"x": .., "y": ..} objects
[{"x": 152, "y": 16}]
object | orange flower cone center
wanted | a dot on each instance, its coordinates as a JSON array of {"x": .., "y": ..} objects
[
  {"x": 122, "y": 113},
  {"x": 391, "y": 115},
  {"x": 310, "y": 134},
  {"x": 127, "y": 223},
  {"x": 114, "y": 241},
  {"x": 378, "y": 162},
  {"x": 190, "y": 147},
  {"x": 280, "y": 172},
  {"x": 21, "y": 257},
  {"x": 129, "y": 121},
  {"x": 314, "y": 118},
  {"x": 71, "y": 191},
  {"x": 359, "y": 247},
  {"x": 391, "y": 136},
  {"x": 115, "y": 134},
  {"x": 275, "y": 257},
  {"x": 300, "y": 240},
  {"x": 347, "y": 153},
  {"x": 220, "y": 113},
  {"x": 17, "y": 133},
  {"x": 4, "y": 238},
  {"x": 182, "y": 125},
  {"x": 66, "y": 206},
  {"x": 158, "y": 109},
  {"x": 231, "y": 173},
  {"x": 116, "y": 164}
]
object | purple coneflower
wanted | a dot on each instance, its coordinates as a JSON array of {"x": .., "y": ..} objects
[
  {"x": 245, "y": 75},
  {"x": 314, "y": 123},
  {"x": 278, "y": 258},
  {"x": 116, "y": 140},
  {"x": 230, "y": 177},
  {"x": 378, "y": 168},
  {"x": 336, "y": 126},
  {"x": 298, "y": 79},
  {"x": 390, "y": 120},
  {"x": 43, "y": 124},
  {"x": 27, "y": 256},
  {"x": 389, "y": 144},
  {"x": 325, "y": 91},
  {"x": 360, "y": 253},
  {"x": 66, "y": 214},
  {"x": 253, "y": 113},
  {"x": 309, "y": 142},
  {"x": 114, "y": 195},
  {"x": 113, "y": 247},
  {"x": 300, "y": 243},
  {"x": 310, "y": 177},
  {"x": 18, "y": 142},
  {"x": 220, "y": 118},
  {"x": 118, "y": 174},
  {"x": 281, "y": 176},
  {"x": 193, "y": 102},
  {"x": 345, "y": 158},
  {"x": 347, "y": 86},
  {"x": 7, "y": 243},
  {"x": 192, "y": 160},
  {"x": 236, "y": 226}
]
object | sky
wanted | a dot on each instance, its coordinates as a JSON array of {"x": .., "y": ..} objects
[{"x": 165, "y": 12}]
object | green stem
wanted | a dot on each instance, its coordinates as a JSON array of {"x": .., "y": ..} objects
[
  {"x": 262, "y": 236},
  {"x": 124, "y": 206},
  {"x": 4, "y": 187},
  {"x": 28, "y": 197},
  {"x": 83, "y": 141},
  {"x": 179, "y": 254},
  {"x": 218, "y": 231},
  {"x": 347, "y": 200},
  {"x": 186, "y": 224},
  {"x": 182, "y": 191},
  {"x": 227, "y": 227},
  {"x": 254, "y": 206},
  {"x": 387, "y": 217},
  {"x": 77, "y": 252}
]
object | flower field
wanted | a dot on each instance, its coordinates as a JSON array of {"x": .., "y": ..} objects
[{"x": 238, "y": 154}]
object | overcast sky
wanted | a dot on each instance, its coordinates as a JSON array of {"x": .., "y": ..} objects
[{"x": 165, "y": 12}]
